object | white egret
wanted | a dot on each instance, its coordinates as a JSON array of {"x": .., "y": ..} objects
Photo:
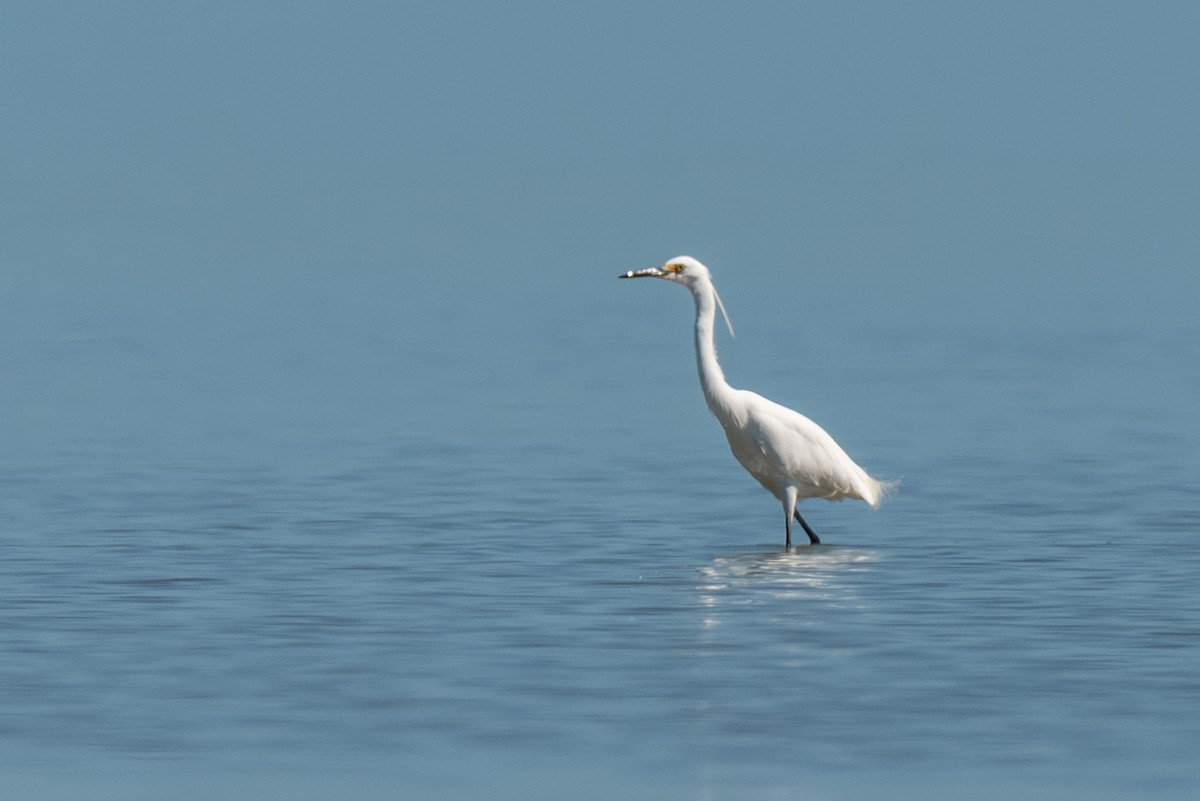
[{"x": 790, "y": 455}]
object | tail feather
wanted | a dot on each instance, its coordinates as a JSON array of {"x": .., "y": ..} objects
[
  {"x": 877, "y": 491},
  {"x": 871, "y": 490}
]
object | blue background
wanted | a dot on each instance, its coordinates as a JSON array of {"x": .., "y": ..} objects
[{"x": 291, "y": 292}]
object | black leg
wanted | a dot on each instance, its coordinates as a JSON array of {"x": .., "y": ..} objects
[
  {"x": 812, "y": 535},
  {"x": 787, "y": 524}
]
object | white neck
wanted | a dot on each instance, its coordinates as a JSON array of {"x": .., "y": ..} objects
[{"x": 712, "y": 381}]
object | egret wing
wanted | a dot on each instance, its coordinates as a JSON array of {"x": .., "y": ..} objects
[{"x": 803, "y": 454}]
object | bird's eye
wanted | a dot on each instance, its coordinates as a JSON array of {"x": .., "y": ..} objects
[{"x": 674, "y": 268}]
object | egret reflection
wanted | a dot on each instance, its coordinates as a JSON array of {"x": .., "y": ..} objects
[{"x": 816, "y": 575}]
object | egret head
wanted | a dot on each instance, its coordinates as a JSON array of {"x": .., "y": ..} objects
[
  {"x": 681, "y": 269},
  {"x": 689, "y": 272}
]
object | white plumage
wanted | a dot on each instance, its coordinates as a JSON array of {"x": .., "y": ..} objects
[{"x": 789, "y": 454}]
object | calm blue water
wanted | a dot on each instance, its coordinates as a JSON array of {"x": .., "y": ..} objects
[
  {"x": 335, "y": 461},
  {"x": 580, "y": 585}
]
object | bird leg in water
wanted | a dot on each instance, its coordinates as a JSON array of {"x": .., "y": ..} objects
[
  {"x": 790, "y": 511},
  {"x": 813, "y": 539}
]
